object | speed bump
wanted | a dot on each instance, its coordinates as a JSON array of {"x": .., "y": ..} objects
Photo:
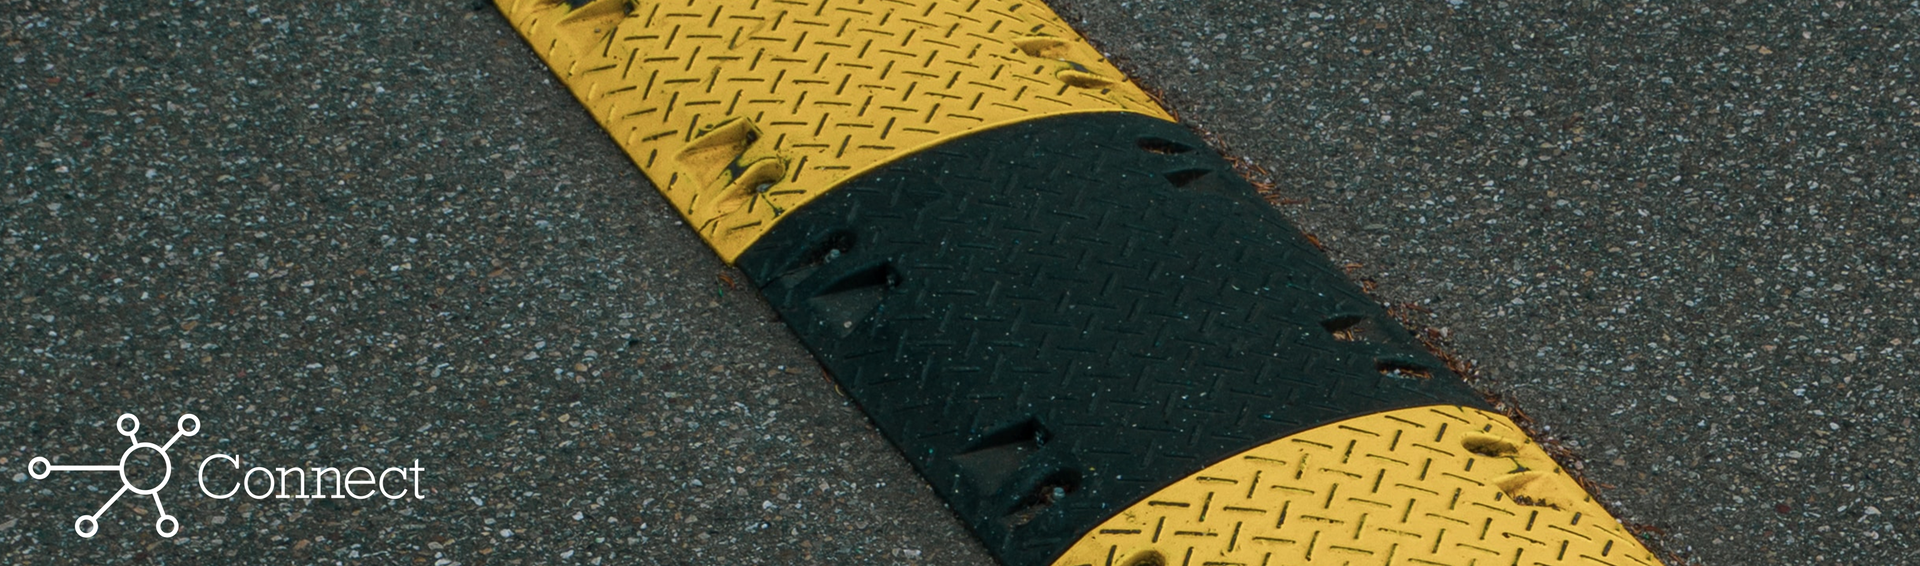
[
  {"x": 741, "y": 111},
  {"x": 1095, "y": 341}
]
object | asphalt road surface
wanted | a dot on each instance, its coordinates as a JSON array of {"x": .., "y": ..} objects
[{"x": 1680, "y": 237}]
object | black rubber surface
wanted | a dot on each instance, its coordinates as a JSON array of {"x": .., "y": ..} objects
[{"x": 1054, "y": 319}]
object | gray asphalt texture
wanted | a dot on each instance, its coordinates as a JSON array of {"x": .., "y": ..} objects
[{"x": 359, "y": 234}]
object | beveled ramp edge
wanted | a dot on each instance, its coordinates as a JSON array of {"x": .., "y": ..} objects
[{"x": 740, "y": 111}]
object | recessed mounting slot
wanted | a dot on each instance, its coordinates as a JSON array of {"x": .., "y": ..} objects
[
  {"x": 1055, "y": 487},
  {"x": 1184, "y": 177},
  {"x": 1396, "y": 368},
  {"x": 1162, "y": 146},
  {"x": 1488, "y": 445},
  {"x": 1147, "y": 558},
  {"x": 1350, "y": 328},
  {"x": 854, "y": 297},
  {"x": 995, "y": 457}
]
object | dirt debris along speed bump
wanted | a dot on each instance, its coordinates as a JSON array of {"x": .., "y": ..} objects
[{"x": 1095, "y": 341}]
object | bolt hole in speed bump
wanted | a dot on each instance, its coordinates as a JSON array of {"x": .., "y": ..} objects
[
  {"x": 128, "y": 426},
  {"x": 1094, "y": 341}
]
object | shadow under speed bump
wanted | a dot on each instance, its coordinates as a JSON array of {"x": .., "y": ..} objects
[{"x": 1095, "y": 341}]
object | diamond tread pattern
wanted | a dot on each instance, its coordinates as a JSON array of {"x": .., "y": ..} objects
[
  {"x": 742, "y": 110},
  {"x": 1427, "y": 486},
  {"x": 1054, "y": 319}
]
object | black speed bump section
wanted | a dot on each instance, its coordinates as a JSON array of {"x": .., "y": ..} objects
[
  {"x": 1095, "y": 341},
  {"x": 1057, "y": 318}
]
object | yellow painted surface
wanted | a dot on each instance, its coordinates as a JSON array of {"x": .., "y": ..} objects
[
  {"x": 1426, "y": 486},
  {"x": 742, "y": 110}
]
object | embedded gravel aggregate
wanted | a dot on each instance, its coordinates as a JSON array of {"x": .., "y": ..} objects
[{"x": 1681, "y": 237}]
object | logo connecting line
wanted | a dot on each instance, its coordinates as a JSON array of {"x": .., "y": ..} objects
[{"x": 128, "y": 425}]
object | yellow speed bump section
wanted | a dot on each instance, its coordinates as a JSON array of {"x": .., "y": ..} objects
[
  {"x": 1427, "y": 486},
  {"x": 742, "y": 110}
]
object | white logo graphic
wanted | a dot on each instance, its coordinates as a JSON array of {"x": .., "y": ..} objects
[{"x": 166, "y": 525}]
